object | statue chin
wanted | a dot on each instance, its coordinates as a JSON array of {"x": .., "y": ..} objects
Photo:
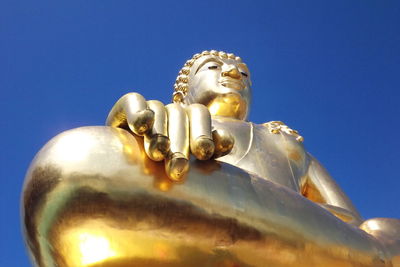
[
  {"x": 92, "y": 198},
  {"x": 229, "y": 105}
]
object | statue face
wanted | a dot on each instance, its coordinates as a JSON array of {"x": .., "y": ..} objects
[{"x": 223, "y": 85}]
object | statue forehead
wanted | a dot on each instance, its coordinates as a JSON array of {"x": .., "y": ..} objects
[{"x": 211, "y": 58}]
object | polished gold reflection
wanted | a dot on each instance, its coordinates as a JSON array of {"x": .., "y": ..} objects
[
  {"x": 95, "y": 242},
  {"x": 80, "y": 215},
  {"x": 94, "y": 248},
  {"x": 229, "y": 105},
  {"x": 95, "y": 196},
  {"x": 310, "y": 191},
  {"x": 67, "y": 147},
  {"x": 134, "y": 152},
  {"x": 91, "y": 248}
]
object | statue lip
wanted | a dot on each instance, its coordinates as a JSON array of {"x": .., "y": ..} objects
[{"x": 232, "y": 83}]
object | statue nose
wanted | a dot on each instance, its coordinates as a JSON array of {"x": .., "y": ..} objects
[{"x": 232, "y": 72}]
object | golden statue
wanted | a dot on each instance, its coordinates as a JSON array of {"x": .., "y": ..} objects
[{"x": 250, "y": 195}]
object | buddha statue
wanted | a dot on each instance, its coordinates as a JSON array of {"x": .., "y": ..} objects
[{"x": 193, "y": 183}]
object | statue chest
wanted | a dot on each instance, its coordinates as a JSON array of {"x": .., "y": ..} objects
[{"x": 277, "y": 157}]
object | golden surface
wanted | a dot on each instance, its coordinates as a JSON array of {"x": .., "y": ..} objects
[
  {"x": 156, "y": 142},
  {"x": 93, "y": 198},
  {"x": 277, "y": 127},
  {"x": 221, "y": 83},
  {"x": 96, "y": 196},
  {"x": 131, "y": 110},
  {"x": 229, "y": 105},
  {"x": 181, "y": 85},
  {"x": 201, "y": 142},
  {"x": 310, "y": 191}
]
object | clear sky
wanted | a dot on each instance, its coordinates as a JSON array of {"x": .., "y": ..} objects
[{"x": 330, "y": 69}]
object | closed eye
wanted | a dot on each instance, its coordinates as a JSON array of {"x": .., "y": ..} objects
[
  {"x": 244, "y": 74},
  {"x": 210, "y": 64}
]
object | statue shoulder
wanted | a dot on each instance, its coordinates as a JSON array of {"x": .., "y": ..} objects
[{"x": 278, "y": 127}]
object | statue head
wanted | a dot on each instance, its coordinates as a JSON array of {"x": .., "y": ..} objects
[{"x": 218, "y": 80}]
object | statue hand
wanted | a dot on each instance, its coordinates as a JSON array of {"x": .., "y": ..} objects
[{"x": 170, "y": 132}]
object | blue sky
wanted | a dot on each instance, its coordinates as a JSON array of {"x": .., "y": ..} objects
[{"x": 330, "y": 69}]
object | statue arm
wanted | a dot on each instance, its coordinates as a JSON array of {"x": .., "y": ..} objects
[{"x": 320, "y": 187}]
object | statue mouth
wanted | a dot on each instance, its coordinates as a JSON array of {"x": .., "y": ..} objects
[{"x": 231, "y": 83}]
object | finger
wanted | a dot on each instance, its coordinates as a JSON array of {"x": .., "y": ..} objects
[
  {"x": 177, "y": 163},
  {"x": 156, "y": 142},
  {"x": 223, "y": 142},
  {"x": 201, "y": 142},
  {"x": 131, "y": 110},
  {"x": 140, "y": 118}
]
